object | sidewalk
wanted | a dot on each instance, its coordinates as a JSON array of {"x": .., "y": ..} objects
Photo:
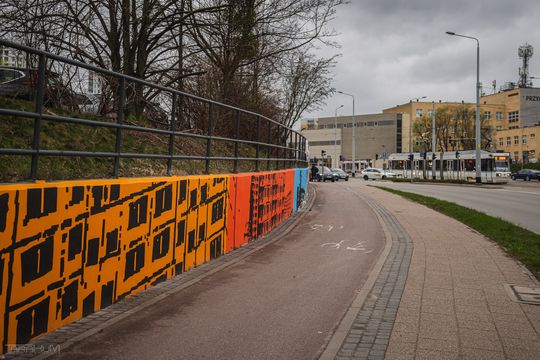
[{"x": 455, "y": 304}]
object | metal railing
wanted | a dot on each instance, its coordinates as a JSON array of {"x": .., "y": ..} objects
[{"x": 287, "y": 150}]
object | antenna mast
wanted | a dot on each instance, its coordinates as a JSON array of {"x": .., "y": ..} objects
[{"x": 525, "y": 52}]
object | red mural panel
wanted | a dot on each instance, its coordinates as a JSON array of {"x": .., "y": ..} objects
[{"x": 258, "y": 203}]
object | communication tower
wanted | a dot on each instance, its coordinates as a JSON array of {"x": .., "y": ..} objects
[{"x": 525, "y": 52}]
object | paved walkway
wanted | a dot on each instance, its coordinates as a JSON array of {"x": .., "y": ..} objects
[{"x": 455, "y": 304}]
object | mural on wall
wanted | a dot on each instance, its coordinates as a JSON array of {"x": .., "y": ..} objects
[{"x": 68, "y": 249}]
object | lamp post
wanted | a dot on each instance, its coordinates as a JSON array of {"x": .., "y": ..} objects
[
  {"x": 433, "y": 141},
  {"x": 353, "y": 134},
  {"x": 478, "y": 163},
  {"x": 410, "y": 131},
  {"x": 335, "y": 135}
]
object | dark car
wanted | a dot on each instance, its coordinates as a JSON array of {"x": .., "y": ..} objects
[
  {"x": 526, "y": 174},
  {"x": 340, "y": 174},
  {"x": 325, "y": 174}
]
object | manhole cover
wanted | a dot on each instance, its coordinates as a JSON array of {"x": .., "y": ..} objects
[{"x": 524, "y": 294}]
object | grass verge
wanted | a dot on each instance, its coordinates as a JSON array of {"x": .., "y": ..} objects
[{"x": 521, "y": 243}]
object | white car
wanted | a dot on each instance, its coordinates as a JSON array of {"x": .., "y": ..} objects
[{"x": 374, "y": 173}]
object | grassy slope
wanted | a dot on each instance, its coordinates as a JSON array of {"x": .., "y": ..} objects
[
  {"x": 16, "y": 132},
  {"x": 523, "y": 244}
]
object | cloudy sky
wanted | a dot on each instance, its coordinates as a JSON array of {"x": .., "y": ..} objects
[{"x": 395, "y": 50}]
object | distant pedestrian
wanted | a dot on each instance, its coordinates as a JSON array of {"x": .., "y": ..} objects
[{"x": 314, "y": 172}]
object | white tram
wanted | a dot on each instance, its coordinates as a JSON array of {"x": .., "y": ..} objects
[{"x": 458, "y": 165}]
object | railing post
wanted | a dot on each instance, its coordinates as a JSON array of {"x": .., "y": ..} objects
[
  {"x": 296, "y": 150},
  {"x": 291, "y": 151},
  {"x": 120, "y": 121},
  {"x": 208, "y": 140},
  {"x": 269, "y": 149},
  {"x": 37, "y": 120},
  {"x": 172, "y": 126},
  {"x": 258, "y": 144},
  {"x": 237, "y": 134},
  {"x": 278, "y": 150}
]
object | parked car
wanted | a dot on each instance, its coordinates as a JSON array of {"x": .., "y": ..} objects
[
  {"x": 340, "y": 174},
  {"x": 374, "y": 173},
  {"x": 325, "y": 174},
  {"x": 526, "y": 174}
]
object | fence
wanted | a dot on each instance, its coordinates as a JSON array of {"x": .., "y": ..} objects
[{"x": 52, "y": 81}]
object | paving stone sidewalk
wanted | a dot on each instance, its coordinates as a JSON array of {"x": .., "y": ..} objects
[{"x": 455, "y": 304}]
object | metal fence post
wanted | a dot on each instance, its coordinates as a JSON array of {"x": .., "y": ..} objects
[
  {"x": 172, "y": 126},
  {"x": 208, "y": 140},
  {"x": 278, "y": 150},
  {"x": 235, "y": 163},
  {"x": 120, "y": 121},
  {"x": 269, "y": 149},
  {"x": 296, "y": 151},
  {"x": 258, "y": 149},
  {"x": 291, "y": 151},
  {"x": 37, "y": 120}
]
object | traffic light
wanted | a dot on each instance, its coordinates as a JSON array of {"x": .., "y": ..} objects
[
  {"x": 376, "y": 156},
  {"x": 462, "y": 139},
  {"x": 323, "y": 153},
  {"x": 433, "y": 156},
  {"x": 457, "y": 154},
  {"x": 411, "y": 157}
]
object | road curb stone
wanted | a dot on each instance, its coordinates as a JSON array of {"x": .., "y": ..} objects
[{"x": 370, "y": 332}]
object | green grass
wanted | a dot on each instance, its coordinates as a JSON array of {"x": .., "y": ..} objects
[
  {"x": 17, "y": 133},
  {"x": 438, "y": 181},
  {"x": 521, "y": 243}
]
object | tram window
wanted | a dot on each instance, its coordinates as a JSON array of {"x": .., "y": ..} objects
[{"x": 469, "y": 165}]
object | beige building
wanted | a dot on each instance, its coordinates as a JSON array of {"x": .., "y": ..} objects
[
  {"x": 376, "y": 135},
  {"x": 513, "y": 115}
]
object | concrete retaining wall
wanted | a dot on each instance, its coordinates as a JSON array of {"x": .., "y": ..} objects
[{"x": 68, "y": 249}]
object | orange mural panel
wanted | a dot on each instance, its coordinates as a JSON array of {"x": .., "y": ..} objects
[{"x": 69, "y": 249}]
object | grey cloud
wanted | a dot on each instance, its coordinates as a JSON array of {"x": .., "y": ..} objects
[{"x": 394, "y": 50}]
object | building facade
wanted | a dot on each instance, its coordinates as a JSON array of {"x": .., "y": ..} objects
[
  {"x": 375, "y": 135},
  {"x": 12, "y": 58},
  {"x": 512, "y": 116}
]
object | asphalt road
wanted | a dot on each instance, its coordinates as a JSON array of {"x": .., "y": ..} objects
[
  {"x": 517, "y": 202},
  {"x": 282, "y": 302}
]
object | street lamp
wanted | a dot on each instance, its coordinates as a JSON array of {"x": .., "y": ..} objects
[
  {"x": 410, "y": 131},
  {"x": 478, "y": 163},
  {"x": 353, "y": 134},
  {"x": 335, "y": 135}
]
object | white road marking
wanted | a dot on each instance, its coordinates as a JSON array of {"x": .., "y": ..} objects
[
  {"x": 333, "y": 245},
  {"x": 330, "y": 227},
  {"x": 316, "y": 227},
  {"x": 358, "y": 246}
]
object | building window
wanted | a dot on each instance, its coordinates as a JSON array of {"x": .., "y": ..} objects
[
  {"x": 498, "y": 128},
  {"x": 487, "y": 115},
  {"x": 513, "y": 116},
  {"x": 418, "y": 112},
  {"x": 499, "y": 115},
  {"x": 430, "y": 112},
  {"x": 532, "y": 154},
  {"x": 516, "y": 140},
  {"x": 532, "y": 136},
  {"x": 524, "y": 139},
  {"x": 508, "y": 141},
  {"x": 500, "y": 142},
  {"x": 516, "y": 156}
]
